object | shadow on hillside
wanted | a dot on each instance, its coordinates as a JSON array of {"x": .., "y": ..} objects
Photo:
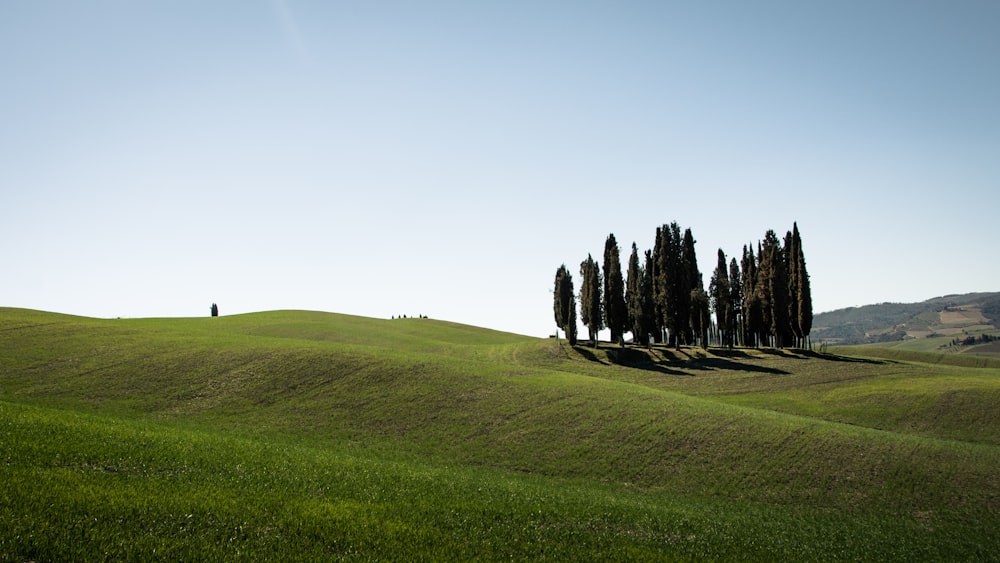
[
  {"x": 837, "y": 358},
  {"x": 629, "y": 357},
  {"x": 802, "y": 354},
  {"x": 717, "y": 363},
  {"x": 675, "y": 362},
  {"x": 685, "y": 361},
  {"x": 589, "y": 354},
  {"x": 792, "y": 353},
  {"x": 731, "y": 353},
  {"x": 641, "y": 359}
]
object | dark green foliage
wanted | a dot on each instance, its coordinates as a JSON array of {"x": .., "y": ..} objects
[
  {"x": 776, "y": 279},
  {"x": 735, "y": 301},
  {"x": 673, "y": 296},
  {"x": 792, "y": 285},
  {"x": 215, "y": 310},
  {"x": 803, "y": 292},
  {"x": 764, "y": 300},
  {"x": 638, "y": 298},
  {"x": 763, "y": 291},
  {"x": 753, "y": 320},
  {"x": 700, "y": 320},
  {"x": 650, "y": 322},
  {"x": 655, "y": 267},
  {"x": 590, "y": 297},
  {"x": 691, "y": 282},
  {"x": 565, "y": 304},
  {"x": 676, "y": 276},
  {"x": 720, "y": 292},
  {"x": 615, "y": 311},
  {"x": 776, "y": 300}
]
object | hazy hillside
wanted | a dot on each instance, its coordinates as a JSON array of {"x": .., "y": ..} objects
[
  {"x": 944, "y": 318},
  {"x": 292, "y": 434}
]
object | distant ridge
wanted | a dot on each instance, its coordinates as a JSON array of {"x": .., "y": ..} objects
[{"x": 945, "y": 318}]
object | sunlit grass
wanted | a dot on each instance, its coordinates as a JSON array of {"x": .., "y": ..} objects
[{"x": 293, "y": 435}]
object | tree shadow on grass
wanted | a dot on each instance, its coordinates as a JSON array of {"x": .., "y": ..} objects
[
  {"x": 641, "y": 359},
  {"x": 784, "y": 353},
  {"x": 681, "y": 361},
  {"x": 684, "y": 361},
  {"x": 629, "y": 357},
  {"x": 838, "y": 358},
  {"x": 730, "y": 365},
  {"x": 802, "y": 354},
  {"x": 589, "y": 354}
]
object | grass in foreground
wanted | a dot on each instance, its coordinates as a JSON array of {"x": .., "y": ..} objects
[
  {"x": 311, "y": 436},
  {"x": 86, "y": 487}
]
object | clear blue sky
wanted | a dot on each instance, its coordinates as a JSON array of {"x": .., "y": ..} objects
[{"x": 444, "y": 158}]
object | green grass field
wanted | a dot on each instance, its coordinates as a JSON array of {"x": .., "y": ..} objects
[{"x": 310, "y": 436}]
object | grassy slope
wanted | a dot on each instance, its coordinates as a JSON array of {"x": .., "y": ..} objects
[{"x": 743, "y": 453}]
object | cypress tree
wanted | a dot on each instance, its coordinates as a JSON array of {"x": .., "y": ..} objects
[
  {"x": 719, "y": 292},
  {"x": 590, "y": 297},
  {"x": 774, "y": 287},
  {"x": 635, "y": 299},
  {"x": 752, "y": 315},
  {"x": 615, "y": 312},
  {"x": 675, "y": 294},
  {"x": 215, "y": 310},
  {"x": 650, "y": 325},
  {"x": 659, "y": 285},
  {"x": 803, "y": 291},
  {"x": 763, "y": 291},
  {"x": 565, "y": 304},
  {"x": 735, "y": 301},
  {"x": 762, "y": 299},
  {"x": 691, "y": 282},
  {"x": 699, "y": 319},
  {"x": 792, "y": 287}
]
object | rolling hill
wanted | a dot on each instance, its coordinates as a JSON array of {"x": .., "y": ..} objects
[
  {"x": 936, "y": 323},
  {"x": 304, "y": 435}
]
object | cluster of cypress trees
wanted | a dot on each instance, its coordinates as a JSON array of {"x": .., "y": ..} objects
[{"x": 764, "y": 300}]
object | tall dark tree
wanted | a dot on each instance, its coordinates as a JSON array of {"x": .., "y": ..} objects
[
  {"x": 691, "y": 282},
  {"x": 636, "y": 299},
  {"x": 803, "y": 291},
  {"x": 674, "y": 296},
  {"x": 564, "y": 304},
  {"x": 699, "y": 321},
  {"x": 752, "y": 311},
  {"x": 590, "y": 298},
  {"x": 215, "y": 310},
  {"x": 735, "y": 301},
  {"x": 650, "y": 324},
  {"x": 615, "y": 312},
  {"x": 655, "y": 269},
  {"x": 764, "y": 299},
  {"x": 721, "y": 299},
  {"x": 773, "y": 286},
  {"x": 792, "y": 286}
]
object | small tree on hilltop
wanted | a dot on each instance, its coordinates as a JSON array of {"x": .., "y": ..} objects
[{"x": 215, "y": 310}]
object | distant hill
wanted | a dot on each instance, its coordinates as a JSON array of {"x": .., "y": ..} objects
[{"x": 937, "y": 322}]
